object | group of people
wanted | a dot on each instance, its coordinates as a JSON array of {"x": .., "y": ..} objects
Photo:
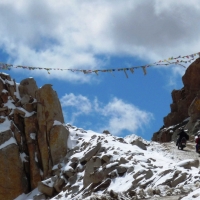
[{"x": 183, "y": 134}]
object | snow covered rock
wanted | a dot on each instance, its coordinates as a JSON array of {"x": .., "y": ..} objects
[
  {"x": 187, "y": 164},
  {"x": 139, "y": 143},
  {"x": 32, "y": 135}
]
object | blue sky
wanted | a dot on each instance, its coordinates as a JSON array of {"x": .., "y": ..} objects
[{"x": 103, "y": 35}]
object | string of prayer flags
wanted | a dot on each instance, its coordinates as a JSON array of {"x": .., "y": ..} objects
[
  {"x": 144, "y": 70},
  {"x": 169, "y": 61}
]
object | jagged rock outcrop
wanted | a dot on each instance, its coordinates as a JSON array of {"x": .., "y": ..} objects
[
  {"x": 51, "y": 138},
  {"x": 183, "y": 98},
  {"x": 186, "y": 103},
  {"x": 32, "y": 136}
]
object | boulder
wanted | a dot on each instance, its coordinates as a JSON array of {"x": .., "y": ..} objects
[
  {"x": 91, "y": 153},
  {"x": 187, "y": 164},
  {"x": 28, "y": 87},
  {"x": 58, "y": 143},
  {"x": 59, "y": 184},
  {"x": 25, "y": 99},
  {"x": 13, "y": 180},
  {"x": 47, "y": 190},
  {"x": 104, "y": 185},
  {"x": 69, "y": 172},
  {"x": 182, "y": 177},
  {"x": 93, "y": 163},
  {"x": 106, "y": 158},
  {"x": 139, "y": 143},
  {"x": 121, "y": 170}
]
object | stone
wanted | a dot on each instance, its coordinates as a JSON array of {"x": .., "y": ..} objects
[
  {"x": 93, "y": 163},
  {"x": 1, "y": 86},
  {"x": 58, "y": 143},
  {"x": 164, "y": 135},
  {"x": 12, "y": 177},
  {"x": 59, "y": 184},
  {"x": 122, "y": 161},
  {"x": 74, "y": 188},
  {"x": 69, "y": 172},
  {"x": 104, "y": 185},
  {"x": 25, "y": 99},
  {"x": 106, "y": 132},
  {"x": 139, "y": 143},
  {"x": 121, "y": 170},
  {"x": 49, "y": 191},
  {"x": 130, "y": 169},
  {"x": 182, "y": 177},
  {"x": 106, "y": 158},
  {"x": 28, "y": 87},
  {"x": 72, "y": 180},
  {"x": 113, "y": 174},
  {"x": 187, "y": 164},
  {"x": 91, "y": 152},
  {"x": 4, "y": 96}
]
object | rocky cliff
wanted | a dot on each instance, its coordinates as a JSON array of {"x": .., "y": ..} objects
[
  {"x": 43, "y": 158},
  {"x": 185, "y": 107},
  {"x": 33, "y": 138}
]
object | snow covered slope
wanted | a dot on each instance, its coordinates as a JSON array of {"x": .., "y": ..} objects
[{"x": 103, "y": 166}]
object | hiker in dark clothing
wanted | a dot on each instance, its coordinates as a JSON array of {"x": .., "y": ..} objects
[
  {"x": 197, "y": 140},
  {"x": 182, "y": 134}
]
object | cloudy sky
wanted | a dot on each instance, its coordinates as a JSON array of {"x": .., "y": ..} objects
[{"x": 102, "y": 34}]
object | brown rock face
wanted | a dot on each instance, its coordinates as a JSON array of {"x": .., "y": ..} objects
[
  {"x": 34, "y": 159},
  {"x": 12, "y": 177},
  {"x": 35, "y": 128},
  {"x": 58, "y": 143},
  {"x": 186, "y": 102},
  {"x": 191, "y": 79},
  {"x": 184, "y": 97},
  {"x": 28, "y": 87},
  {"x": 194, "y": 109},
  {"x": 48, "y": 111}
]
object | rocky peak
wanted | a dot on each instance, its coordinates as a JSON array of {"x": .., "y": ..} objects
[
  {"x": 32, "y": 138},
  {"x": 185, "y": 106}
]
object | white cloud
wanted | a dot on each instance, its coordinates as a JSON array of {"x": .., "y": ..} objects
[
  {"x": 118, "y": 116},
  {"x": 80, "y": 105},
  {"x": 124, "y": 116},
  {"x": 80, "y": 102},
  {"x": 71, "y": 34}
]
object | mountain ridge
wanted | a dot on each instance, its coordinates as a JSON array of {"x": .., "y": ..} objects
[{"x": 44, "y": 158}]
